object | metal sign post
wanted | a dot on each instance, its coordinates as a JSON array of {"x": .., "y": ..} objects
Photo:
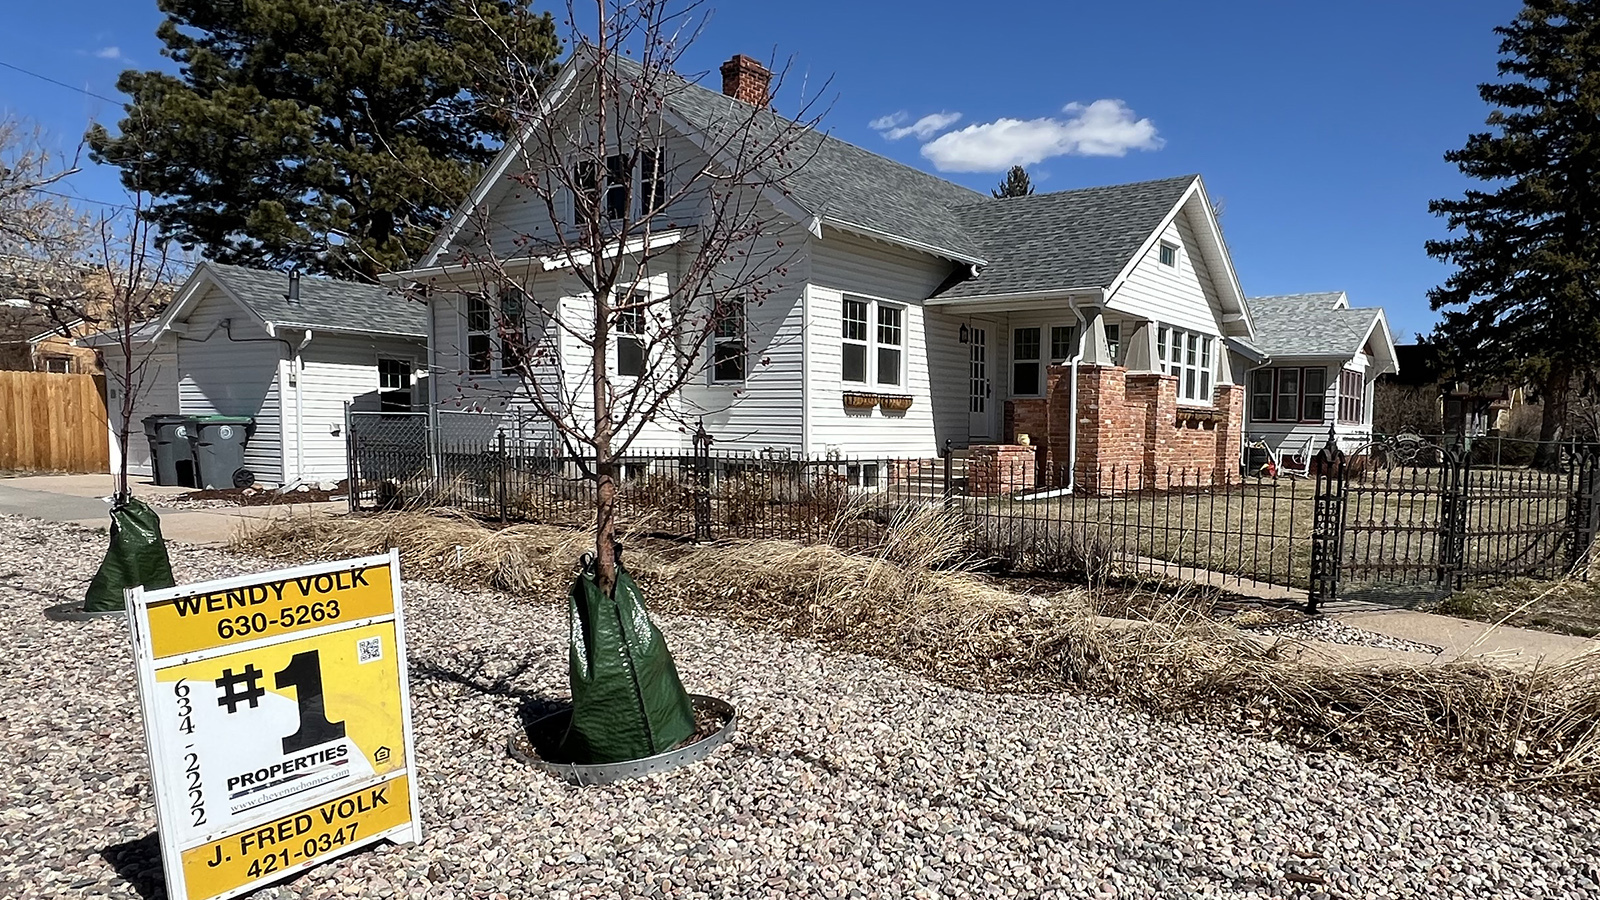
[{"x": 277, "y": 718}]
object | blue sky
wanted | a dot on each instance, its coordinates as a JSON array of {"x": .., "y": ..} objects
[{"x": 1319, "y": 126}]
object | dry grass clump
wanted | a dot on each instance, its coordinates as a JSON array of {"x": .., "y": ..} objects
[{"x": 917, "y": 603}]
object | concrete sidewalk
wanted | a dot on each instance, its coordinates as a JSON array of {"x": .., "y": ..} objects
[{"x": 80, "y": 500}]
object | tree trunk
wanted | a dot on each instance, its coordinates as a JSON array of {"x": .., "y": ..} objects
[
  {"x": 1552, "y": 421},
  {"x": 605, "y": 517}
]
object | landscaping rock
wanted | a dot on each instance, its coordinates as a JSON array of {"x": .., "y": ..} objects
[{"x": 848, "y": 777}]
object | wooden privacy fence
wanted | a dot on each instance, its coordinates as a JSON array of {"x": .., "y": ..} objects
[{"x": 53, "y": 423}]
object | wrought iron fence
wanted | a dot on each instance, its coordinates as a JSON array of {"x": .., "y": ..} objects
[
  {"x": 1410, "y": 516},
  {"x": 1209, "y": 526}
]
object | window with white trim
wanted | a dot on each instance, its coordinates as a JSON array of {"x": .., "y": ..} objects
[
  {"x": 627, "y": 179},
  {"x": 1288, "y": 394},
  {"x": 630, "y": 337},
  {"x": 1169, "y": 254},
  {"x": 394, "y": 385},
  {"x": 480, "y": 335},
  {"x": 1027, "y": 375},
  {"x": 1352, "y": 397},
  {"x": 728, "y": 349},
  {"x": 1187, "y": 356},
  {"x": 872, "y": 342},
  {"x": 513, "y": 331},
  {"x": 891, "y": 345},
  {"x": 1113, "y": 342}
]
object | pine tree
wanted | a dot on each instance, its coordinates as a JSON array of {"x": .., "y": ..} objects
[
  {"x": 331, "y": 135},
  {"x": 1017, "y": 184},
  {"x": 1524, "y": 301}
]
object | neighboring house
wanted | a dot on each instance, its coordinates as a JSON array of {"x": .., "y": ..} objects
[
  {"x": 289, "y": 352},
  {"x": 1106, "y": 323},
  {"x": 1322, "y": 357},
  {"x": 55, "y": 351},
  {"x": 1463, "y": 408}
]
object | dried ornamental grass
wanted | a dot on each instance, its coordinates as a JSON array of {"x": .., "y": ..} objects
[{"x": 915, "y": 604}]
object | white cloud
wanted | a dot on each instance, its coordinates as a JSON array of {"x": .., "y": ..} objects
[
  {"x": 893, "y": 126},
  {"x": 111, "y": 52},
  {"x": 1101, "y": 128}
]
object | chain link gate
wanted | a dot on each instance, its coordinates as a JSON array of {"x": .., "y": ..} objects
[{"x": 1410, "y": 518}]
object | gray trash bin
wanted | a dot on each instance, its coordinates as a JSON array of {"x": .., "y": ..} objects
[
  {"x": 219, "y": 452},
  {"x": 171, "y": 449}
]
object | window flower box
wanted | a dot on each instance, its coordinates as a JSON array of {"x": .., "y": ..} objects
[
  {"x": 858, "y": 400},
  {"x": 894, "y": 403}
]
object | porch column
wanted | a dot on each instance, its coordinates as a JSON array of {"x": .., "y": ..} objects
[
  {"x": 1096, "y": 352},
  {"x": 1141, "y": 344}
]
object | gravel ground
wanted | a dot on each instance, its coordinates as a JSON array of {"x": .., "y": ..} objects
[
  {"x": 1336, "y": 632},
  {"x": 847, "y": 778}
]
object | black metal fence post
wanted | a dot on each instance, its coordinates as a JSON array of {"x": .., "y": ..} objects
[
  {"x": 352, "y": 471},
  {"x": 1585, "y": 508},
  {"x": 1327, "y": 524},
  {"x": 702, "y": 483},
  {"x": 949, "y": 473},
  {"x": 500, "y": 482},
  {"x": 1454, "y": 483}
]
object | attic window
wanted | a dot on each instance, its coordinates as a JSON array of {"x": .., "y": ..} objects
[{"x": 1169, "y": 254}]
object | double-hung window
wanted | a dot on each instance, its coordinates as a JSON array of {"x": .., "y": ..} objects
[
  {"x": 1027, "y": 375},
  {"x": 631, "y": 185},
  {"x": 480, "y": 335},
  {"x": 728, "y": 352},
  {"x": 1187, "y": 356},
  {"x": 872, "y": 342},
  {"x": 513, "y": 331},
  {"x": 891, "y": 344},
  {"x": 1352, "y": 397},
  {"x": 631, "y": 337},
  {"x": 1288, "y": 394}
]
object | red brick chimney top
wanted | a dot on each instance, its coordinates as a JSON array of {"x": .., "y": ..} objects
[{"x": 746, "y": 80}]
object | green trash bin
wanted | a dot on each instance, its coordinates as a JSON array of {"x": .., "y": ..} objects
[
  {"x": 171, "y": 449},
  {"x": 219, "y": 452}
]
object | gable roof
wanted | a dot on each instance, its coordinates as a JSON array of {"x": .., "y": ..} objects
[
  {"x": 1058, "y": 243},
  {"x": 1320, "y": 325},
  {"x": 346, "y": 307},
  {"x": 1063, "y": 241}
]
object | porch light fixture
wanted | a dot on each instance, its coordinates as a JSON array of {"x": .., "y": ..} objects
[{"x": 966, "y": 334}]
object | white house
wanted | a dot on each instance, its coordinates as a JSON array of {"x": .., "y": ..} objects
[
  {"x": 290, "y": 353},
  {"x": 1107, "y": 323},
  {"x": 1323, "y": 357}
]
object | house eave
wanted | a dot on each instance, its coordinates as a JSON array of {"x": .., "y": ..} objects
[
  {"x": 897, "y": 240},
  {"x": 997, "y": 301},
  {"x": 541, "y": 263}
]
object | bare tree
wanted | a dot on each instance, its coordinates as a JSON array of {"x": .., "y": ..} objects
[
  {"x": 135, "y": 271},
  {"x": 44, "y": 239},
  {"x": 640, "y": 240}
]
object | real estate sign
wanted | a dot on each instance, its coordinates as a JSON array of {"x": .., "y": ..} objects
[{"x": 278, "y": 721}]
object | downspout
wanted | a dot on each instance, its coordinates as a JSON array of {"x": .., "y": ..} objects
[
  {"x": 299, "y": 413},
  {"x": 1072, "y": 423},
  {"x": 433, "y": 389}
]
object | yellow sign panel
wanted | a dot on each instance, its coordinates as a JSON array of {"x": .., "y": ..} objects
[
  {"x": 202, "y": 617},
  {"x": 299, "y": 838},
  {"x": 283, "y": 745}
]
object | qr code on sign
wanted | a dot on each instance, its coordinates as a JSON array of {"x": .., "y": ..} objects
[{"x": 369, "y": 649}]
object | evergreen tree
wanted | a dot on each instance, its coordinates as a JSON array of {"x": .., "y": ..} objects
[
  {"x": 1524, "y": 301},
  {"x": 331, "y": 135},
  {"x": 1017, "y": 184}
]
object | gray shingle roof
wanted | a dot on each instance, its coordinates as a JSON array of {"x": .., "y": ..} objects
[
  {"x": 840, "y": 181},
  {"x": 345, "y": 306},
  {"x": 1069, "y": 239},
  {"x": 1310, "y": 325}
]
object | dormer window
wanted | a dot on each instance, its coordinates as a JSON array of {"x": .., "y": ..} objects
[{"x": 1169, "y": 254}]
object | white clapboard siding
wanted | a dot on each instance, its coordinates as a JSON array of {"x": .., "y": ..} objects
[
  {"x": 336, "y": 370},
  {"x": 155, "y": 393},
  {"x": 841, "y": 265},
  {"x": 234, "y": 377},
  {"x": 1175, "y": 295}
]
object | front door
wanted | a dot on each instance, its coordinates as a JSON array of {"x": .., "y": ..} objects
[{"x": 980, "y": 390}]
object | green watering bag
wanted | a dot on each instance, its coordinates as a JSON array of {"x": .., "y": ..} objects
[
  {"x": 627, "y": 701},
  {"x": 137, "y": 556}
]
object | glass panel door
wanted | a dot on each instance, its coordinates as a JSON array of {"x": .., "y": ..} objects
[{"x": 979, "y": 393}]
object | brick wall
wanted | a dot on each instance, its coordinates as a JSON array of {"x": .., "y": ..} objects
[
  {"x": 1132, "y": 432},
  {"x": 999, "y": 469}
]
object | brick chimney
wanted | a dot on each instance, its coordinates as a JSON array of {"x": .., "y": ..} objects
[{"x": 747, "y": 80}]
